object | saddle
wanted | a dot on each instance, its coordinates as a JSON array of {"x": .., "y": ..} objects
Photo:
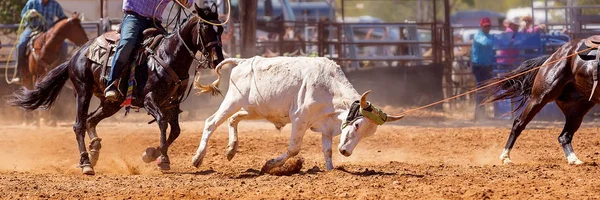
[
  {"x": 594, "y": 56},
  {"x": 592, "y": 41},
  {"x": 32, "y": 46},
  {"x": 103, "y": 48}
]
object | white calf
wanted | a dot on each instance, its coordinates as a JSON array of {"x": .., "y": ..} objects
[{"x": 309, "y": 93}]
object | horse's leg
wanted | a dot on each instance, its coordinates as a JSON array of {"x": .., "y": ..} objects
[
  {"x": 298, "y": 130},
  {"x": 532, "y": 108},
  {"x": 151, "y": 153},
  {"x": 230, "y": 105},
  {"x": 162, "y": 119},
  {"x": 541, "y": 94},
  {"x": 105, "y": 110},
  {"x": 233, "y": 130},
  {"x": 164, "y": 163},
  {"x": 175, "y": 129},
  {"x": 83, "y": 96},
  {"x": 574, "y": 111}
]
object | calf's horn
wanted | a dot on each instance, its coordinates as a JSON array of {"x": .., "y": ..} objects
[
  {"x": 363, "y": 99},
  {"x": 391, "y": 118}
]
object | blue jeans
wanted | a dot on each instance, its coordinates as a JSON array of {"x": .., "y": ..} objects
[
  {"x": 482, "y": 73},
  {"x": 22, "y": 47},
  {"x": 132, "y": 28}
]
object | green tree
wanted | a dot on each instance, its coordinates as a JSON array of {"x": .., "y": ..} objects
[{"x": 10, "y": 11}]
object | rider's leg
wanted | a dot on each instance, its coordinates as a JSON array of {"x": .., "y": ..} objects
[
  {"x": 131, "y": 31},
  {"x": 21, "y": 47}
]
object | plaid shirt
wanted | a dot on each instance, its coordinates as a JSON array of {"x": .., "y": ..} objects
[
  {"x": 49, "y": 11},
  {"x": 146, "y": 8}
]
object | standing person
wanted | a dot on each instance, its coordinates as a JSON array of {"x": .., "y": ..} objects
[
  {"x": 509, "y": 55},
  {"x": 529, "y": 26},
  {"x": 482, "y": 59},
  {"x": 138, "y": 16},
  {"x": 41, "y": 18}
]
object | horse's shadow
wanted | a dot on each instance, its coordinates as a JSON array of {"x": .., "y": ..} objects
[
  {"x": 249, "y": 173},
  {"x": 366, "y": 172},
  {"x": 253, "y": 173},
  {"x": 203, "y": 172}
]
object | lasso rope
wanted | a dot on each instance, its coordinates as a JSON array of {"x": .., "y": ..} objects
[
  {"x": 26, "y": 17},
  {"x": 184, "y": 8},
  {"x": 495, "y": 83},
  {"x": 206, "y": 21}
]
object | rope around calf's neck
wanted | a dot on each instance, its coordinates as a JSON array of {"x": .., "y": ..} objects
[{"x": 495, "y": 83}]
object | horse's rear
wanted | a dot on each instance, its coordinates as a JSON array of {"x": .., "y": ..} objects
[
  {"x": 564, "y": 78},
  {"x": 44, "y": 50}
]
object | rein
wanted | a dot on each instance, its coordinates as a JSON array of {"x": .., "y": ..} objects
[
  {"x": 171, "y": 73},
  {"x": 201, "y": 63}
]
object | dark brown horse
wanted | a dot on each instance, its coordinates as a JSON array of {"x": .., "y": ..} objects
[
  {"x": 159, "y": 94},
  {"x": 566, "y": 81},
  {"x": 43, "y": 57}
]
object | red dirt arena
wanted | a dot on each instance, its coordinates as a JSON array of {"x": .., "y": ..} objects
[{"x": 414, "y": 158}]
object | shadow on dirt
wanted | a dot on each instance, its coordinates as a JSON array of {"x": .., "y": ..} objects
[{"x": 366, "y": 172}]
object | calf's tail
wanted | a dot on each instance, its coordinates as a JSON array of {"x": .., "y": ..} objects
[{"x": 213, "y": 88}]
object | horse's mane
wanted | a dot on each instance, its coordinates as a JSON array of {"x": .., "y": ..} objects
[{"x": 58, "y": 24}]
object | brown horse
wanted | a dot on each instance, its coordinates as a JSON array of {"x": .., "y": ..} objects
[
  {"x": 566, "y": 80},
  {"x": 43, "y": 57},
  {"x": 160, "y": 84}
]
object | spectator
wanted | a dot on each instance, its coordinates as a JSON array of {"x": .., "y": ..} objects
[
  {"x": 482, "y": 58},
  {"x": 509, "y": 55},
  {"x": 529, "y": 27}
]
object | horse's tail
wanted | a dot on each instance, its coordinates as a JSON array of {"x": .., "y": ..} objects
[
  {"x": 213, "y": 88},
  {"x": 45, "y": 93},
  {"x": 519, "y": 88}
]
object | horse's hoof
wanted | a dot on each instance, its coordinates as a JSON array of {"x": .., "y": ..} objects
[
  {"x": 507, "y": 161},
  {"x": 576, "y": 162},
  {"x": 94, "y": 155},
  {"x": 151, "y": 154},
  {"x": 163, "y": 163},
  {"x": 88, "y": 170}
]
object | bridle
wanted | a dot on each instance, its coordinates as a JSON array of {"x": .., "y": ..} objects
[
  {"x": 201, "y": 62},
  {"x": 200, "y": 43}
]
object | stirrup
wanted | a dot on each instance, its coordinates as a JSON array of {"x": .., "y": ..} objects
[
  {"x": 115, "y": 90},
  {"x": 593, "y": 90}
]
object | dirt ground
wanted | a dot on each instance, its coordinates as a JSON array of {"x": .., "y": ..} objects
[{"x": 400, "y": 161}]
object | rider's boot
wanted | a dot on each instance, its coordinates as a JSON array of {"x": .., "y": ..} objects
[{"x": 111, "y": 92}]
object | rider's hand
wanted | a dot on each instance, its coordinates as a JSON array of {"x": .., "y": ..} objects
[
  {"x": 183, "y": 2},
  {"x": 33, "y": 13}
]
